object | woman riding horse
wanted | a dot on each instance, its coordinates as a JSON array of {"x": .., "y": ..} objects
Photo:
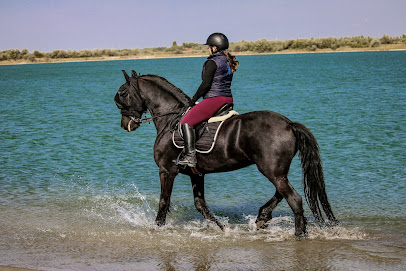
[
  {"x": 215, "y": 89},
  {"x": 264, "y": 138}
]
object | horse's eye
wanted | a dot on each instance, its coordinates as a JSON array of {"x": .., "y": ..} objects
[{"x": 123, "y": 91}]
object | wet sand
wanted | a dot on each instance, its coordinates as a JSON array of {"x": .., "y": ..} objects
[{"x": 196, "y": 248}]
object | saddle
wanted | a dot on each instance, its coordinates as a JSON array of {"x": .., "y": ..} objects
[{"x": 206, "y": 132}]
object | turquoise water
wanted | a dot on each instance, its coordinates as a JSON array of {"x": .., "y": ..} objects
[{"x": 78, "y": 193}]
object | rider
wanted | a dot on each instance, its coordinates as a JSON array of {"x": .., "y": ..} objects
[{"x": 215, "y": 89}]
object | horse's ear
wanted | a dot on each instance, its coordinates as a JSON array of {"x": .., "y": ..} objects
[
  {"x": 127, "y": 78},
  {"x": 134, "y": 74}
]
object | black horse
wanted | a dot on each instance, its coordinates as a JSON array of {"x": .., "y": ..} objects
[{"x": 264, "y": 138}]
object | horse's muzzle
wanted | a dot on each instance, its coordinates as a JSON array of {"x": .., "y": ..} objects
[{"x": 128, "y": 124}]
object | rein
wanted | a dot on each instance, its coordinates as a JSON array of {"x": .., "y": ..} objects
[
  {"x": 149, "y": 119},
  {"x": 145, "y": 119}
]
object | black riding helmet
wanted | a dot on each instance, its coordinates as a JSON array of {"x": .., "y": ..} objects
[{"x": 219, "y": 40}]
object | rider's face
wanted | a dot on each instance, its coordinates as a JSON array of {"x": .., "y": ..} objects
[{"x": 212, "y": 49}]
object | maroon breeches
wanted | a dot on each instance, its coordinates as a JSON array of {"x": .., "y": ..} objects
[{"x": 205, "y": 110}]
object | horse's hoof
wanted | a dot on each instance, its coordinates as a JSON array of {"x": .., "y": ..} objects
[
  {"x": 301, "y": 234},
  {"x": 221, "y": 226},
  {"x": 332, "y": 223},
  {"x": 160, "y": 223},
  {"x": 261, "y": 224}
]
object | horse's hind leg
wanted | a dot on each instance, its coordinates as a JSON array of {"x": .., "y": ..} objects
[
  {"x": 294, "y": 200},
  {"x": 285, "y": 189},
  {"x": 200, "y": 203},
  {"x": 265, "y": 212}
]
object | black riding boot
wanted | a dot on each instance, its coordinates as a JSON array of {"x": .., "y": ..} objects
[{"x": 188, "y": 157}]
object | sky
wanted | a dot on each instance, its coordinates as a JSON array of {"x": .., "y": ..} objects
[{"x": 48, "y": 25}]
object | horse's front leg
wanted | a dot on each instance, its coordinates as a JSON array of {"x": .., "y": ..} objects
[
  {"x": 167, "y": 178},
  {"x": 200, "y": 203}
]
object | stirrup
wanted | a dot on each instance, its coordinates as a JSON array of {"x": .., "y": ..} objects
[
  {"x": 183, "y": 166},
  {"x": 187, "y": 159}
]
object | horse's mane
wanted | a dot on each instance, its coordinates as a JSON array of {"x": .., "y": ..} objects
[{"x": 161, "y": 82}]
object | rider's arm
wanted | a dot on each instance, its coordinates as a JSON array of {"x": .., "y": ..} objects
[{"x": 209, "y": 70}]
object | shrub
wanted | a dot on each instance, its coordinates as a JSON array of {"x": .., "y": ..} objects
[
  {"x": 13, "y": 54},
  {"x": 97, "y": 53},
  {"x": 375, "y": 43},
  {"x": 58, "y": 54},
  {"x": 85, "y": 53},
  {"x": 3, "y": 56},
  {"x": 38, "y": 54},
  {"x": 72, "y": 54},
  {"x": 62, "y": 54},
  {"x": 30, "y": 57},
  {"x": 109, "y": 52},
  {"x": 386, "y": 40}
]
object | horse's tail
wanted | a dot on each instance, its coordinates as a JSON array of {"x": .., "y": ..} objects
[{"x": 313, "y": 178}]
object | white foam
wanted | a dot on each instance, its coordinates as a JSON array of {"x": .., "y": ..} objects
[
  {"x": 142, "y": 215},
  {"x": 136, "y": 211},
  {"x": 279, "y": 229}
]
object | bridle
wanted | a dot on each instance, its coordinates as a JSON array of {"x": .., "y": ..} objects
[
  {"x": 149, "y": 119},
  {"x": 140, "y": 120}
]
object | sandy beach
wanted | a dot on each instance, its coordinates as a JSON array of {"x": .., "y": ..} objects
[{"x": 8, "y": 268}]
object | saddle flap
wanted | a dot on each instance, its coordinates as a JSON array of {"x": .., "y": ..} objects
[{"x": 207, "y": 140}]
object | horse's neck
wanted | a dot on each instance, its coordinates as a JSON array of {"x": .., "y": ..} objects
[
  {"x": 161, "y": 96},
  {"x": 161, "y": 101}
]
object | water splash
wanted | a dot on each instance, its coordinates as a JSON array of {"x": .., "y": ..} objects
[
  {"x": 279, "y": 229},
  {"x": 137, "y": 215}
]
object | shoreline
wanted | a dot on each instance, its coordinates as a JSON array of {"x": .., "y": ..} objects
[{"x": 382, "y": 48}]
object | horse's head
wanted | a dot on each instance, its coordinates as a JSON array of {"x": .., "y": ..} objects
[{"x": 128, "y": 100}]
